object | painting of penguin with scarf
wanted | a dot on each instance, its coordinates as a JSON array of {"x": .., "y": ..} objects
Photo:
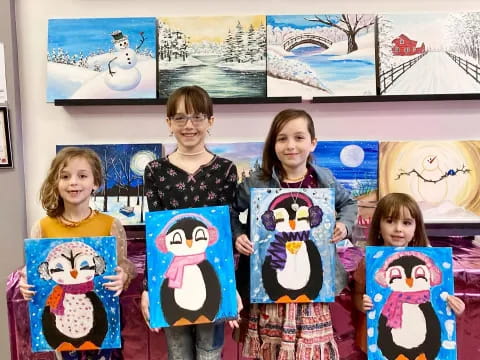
[
  {"x": 71, "y": 307},
  {"x": 293, "y": 259},
  {"x": 190, "y": 266},
  {"x": 410, "y": 319}
]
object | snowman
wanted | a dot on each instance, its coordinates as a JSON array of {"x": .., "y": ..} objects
[
  {"x": 435, "y": 190},
  {"x": 122, "y": 74}
]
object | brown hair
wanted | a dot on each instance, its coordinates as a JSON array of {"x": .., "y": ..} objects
[
  {"x": 392, "y": 205},
  {"x": 270, "y": 159},
  {"x": 195, "y": 98},
  {"x": 49, "y": 196}
]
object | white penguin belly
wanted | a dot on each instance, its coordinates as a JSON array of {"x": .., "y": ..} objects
[
  {"x": 192, "y": 294},
  {"x": 77, "y": 320},
  {"x": 296, "y": 273},
  {"x": 414, "y": 327}
]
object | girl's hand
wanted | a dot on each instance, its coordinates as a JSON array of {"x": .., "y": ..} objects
[
  {"x": 144, "y": 304},
  {"x": 340, "y": 232},
  {"x": 25, "y": 289},
  {"x": 117, "y": 281},
  {"x": 456, "y": 304},
  {"x": 367, "y": 303},
  {"x": 243, "y": 245},
  {"x": 234, "y": 323}
]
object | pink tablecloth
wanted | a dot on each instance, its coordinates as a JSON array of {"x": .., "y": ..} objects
[{"x": 141, "y": 344}]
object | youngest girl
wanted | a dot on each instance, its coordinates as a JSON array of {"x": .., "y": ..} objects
[
  {"x": 397, "y": 221},
  {"x": 74, "y": 175}
]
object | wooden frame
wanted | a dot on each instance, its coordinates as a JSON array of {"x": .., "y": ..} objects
[{"x": 6, "y": 158}]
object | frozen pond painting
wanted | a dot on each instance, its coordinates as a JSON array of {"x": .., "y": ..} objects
[
  {"x": 321, "y": 55},
  {"x": 226, "y": 55},
  {"x": 101, "y": 58},
  {"x": 434, "y": 53},
  {"x": 123, "y": 167}
]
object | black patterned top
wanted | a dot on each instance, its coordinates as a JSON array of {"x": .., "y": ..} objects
[{"x": 168, "y": 187}]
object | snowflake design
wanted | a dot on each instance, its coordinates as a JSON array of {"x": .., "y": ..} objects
[
  {"x": 180, "y": 186},
  {"x": 211, "y": 195},
  {"x": 171, "y": 172},
  {"x": 203, "y": 186}
]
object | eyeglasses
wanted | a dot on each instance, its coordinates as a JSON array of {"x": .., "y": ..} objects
[{"x": 181, "y": 119}]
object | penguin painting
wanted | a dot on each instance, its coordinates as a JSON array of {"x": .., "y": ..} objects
[
  {"x": 408, "y": 327},
  {"x": 74, "y": 317},
  {"x": 190, "y": 293},
  {"x": 292, "y": 270}
]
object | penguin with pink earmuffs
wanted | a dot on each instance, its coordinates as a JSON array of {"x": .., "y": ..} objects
[{"x": 190, "y": 292}]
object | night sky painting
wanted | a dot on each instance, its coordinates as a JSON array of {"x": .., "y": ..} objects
[
  {"x": 123, "y": 166},
  {"x": 43, "y": 255},
  {"x": 353, "y": 163}
]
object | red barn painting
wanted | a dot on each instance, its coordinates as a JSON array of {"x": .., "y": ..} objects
[{"x": 402, "y": 46}]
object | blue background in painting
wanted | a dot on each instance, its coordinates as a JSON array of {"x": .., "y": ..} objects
[
  {"x": 360, "y": 179},
  {"x": 260, "y": 200},
  {"x": 295, "y": 21},
  {"x": 88, "y": 35},
  {"x": 36, "y": 252},
  {"x": 442, "y": 257},
  {"x": 220, "y": 256}
]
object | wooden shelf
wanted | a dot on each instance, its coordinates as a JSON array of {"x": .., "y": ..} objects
[
  {"x": 387, "y": 98},
  {"x": 240, "y": 100}
]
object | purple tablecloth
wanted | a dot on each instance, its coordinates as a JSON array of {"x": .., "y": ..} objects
[{"x": 141, "y": 344}]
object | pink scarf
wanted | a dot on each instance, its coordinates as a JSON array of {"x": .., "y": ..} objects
[
  {"x": 392, "y": 309},
  {"x": 56, "y": 297},
  {"x": 175, "y": 270}
]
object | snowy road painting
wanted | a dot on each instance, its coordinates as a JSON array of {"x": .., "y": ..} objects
[
  {"x": 101, "y": 58},
  {"x": 441, "y": 38},
  {"x": 443, "y": 176},
  {"x": 123, "y": 167},
  {"x": 320, "y": 55},
  {"x": 226, "y": 55}
]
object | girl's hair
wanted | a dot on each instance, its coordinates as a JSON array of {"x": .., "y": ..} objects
[
  {"x": 393, "y": 205},
  {"x": 49, "y": 196},
  {"x": 195, "y": 98},
  {"x": 270, "y": 159}
]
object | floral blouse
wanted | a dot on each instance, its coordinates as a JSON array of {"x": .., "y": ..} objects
[{"x": 168, "y": 187}]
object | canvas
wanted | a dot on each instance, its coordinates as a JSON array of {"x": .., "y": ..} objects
[
  {"x": 320, "y": 55},
  {"x": 429, "y": 53},
  {"x": 293, "y": 259},
  {"x": 225, "y": 55},
  {"x": 190, "y": 270},
  {"x": 123, "y": 167},
  {"x": 71, "y": 310},
  {"x": 440, "y": 175},
  {"x": 408, "y": 287},
  {"x": 101, "y": 58}
]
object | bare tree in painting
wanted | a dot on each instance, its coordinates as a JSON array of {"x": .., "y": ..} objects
[
  {"x": 350, "y": 24},
  {"x": 123, "y": 174},
  {"x": 108, "y": 160},
  {"x": 462, "y": 34},
  {"x": 385, "y": 38}
]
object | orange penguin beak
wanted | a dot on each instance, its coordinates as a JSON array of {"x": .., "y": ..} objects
[
  {"x": 189, "y": 243},
  {"x": 409, "y": 282},
  {"x": 292, "y": 224},
  {"x": 74, "y": 273}
]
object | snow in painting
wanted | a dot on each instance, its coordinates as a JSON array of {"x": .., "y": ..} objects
[
  {"x": 225, "y": 55},
  {"x": 295, "y": 250},
  {"x": 100, "y": 58},
  {"x": 436, "y": 53},
  {"x": 192, "y": 296},
  {"x": 440, "y": 175},
  {"x": 320, "y": 55},
  {"x": 436, "y": 266},
  {"x": 41, "y": 254},
  {"x": 353, "y": 163},
  {"x": 123, "y": 166}
]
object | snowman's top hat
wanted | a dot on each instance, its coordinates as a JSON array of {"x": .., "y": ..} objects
[{"x": 118, "y": 36}]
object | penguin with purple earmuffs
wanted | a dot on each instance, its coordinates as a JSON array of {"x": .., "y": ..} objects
[
  {"x": 292, "y": 270},
  {"x": 190, "y": 292}
]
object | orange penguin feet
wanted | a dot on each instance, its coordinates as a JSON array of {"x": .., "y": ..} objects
[
  {"x": 421, "y": 357},
  {"x": 284, "y": 299},
  {"x": 182, "y": 321},
  {"x": 302, "y": 299},
  {"x": 88, "y": 345},
  {"x": 202, "y": 319},
  {"x": 65, "y": 346},
  {"x": 401, "y": 357}
]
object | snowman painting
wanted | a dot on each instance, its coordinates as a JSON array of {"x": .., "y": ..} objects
[{"x": 122, "y": 73}]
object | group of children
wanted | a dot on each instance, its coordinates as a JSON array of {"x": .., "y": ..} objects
[{"x": 192, "y": 176}]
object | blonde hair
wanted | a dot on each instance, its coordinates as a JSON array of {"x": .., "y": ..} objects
[
  {"x": 392, "y": 206},
  {"x": 51, "y": 200}
]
